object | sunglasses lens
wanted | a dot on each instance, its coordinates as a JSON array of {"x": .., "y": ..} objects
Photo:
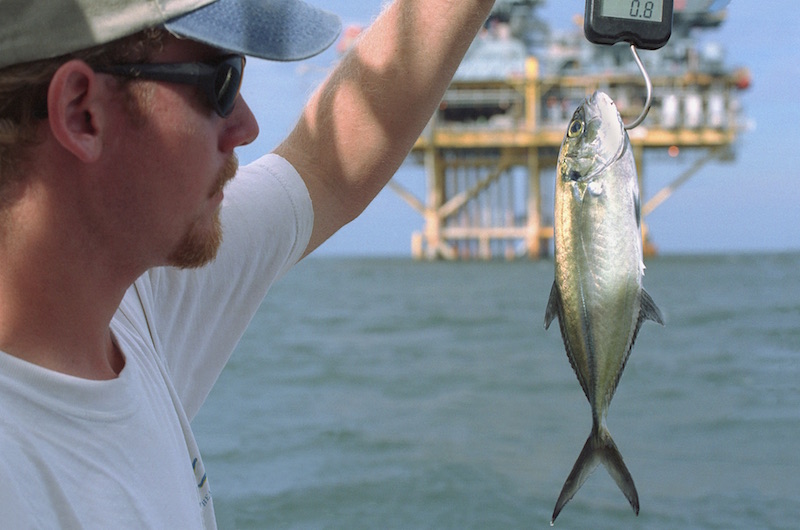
[{"x": 226, "y": 84}]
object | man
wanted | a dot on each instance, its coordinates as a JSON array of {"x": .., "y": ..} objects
[{"x": 120, "y": 299}]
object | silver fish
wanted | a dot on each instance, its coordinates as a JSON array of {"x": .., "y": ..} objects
[{"x": 597, "y": 294}]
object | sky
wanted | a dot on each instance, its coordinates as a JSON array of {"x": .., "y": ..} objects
[{"x": 747, "y": 205}]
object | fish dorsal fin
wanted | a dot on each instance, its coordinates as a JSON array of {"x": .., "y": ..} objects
[
  {"x": 553, "y": 306},
  {"x": 649, "y": 310},
  {"x": 556, "y": 309}
]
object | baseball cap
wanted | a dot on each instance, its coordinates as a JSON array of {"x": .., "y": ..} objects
[{"x": 280, "y": 30}]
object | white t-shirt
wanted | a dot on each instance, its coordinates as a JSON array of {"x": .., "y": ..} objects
[{"x": 120, "y": 453}]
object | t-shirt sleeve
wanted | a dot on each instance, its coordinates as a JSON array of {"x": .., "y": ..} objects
[{"x": 196, "y": 317}]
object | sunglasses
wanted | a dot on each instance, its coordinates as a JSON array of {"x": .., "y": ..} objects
[{"x": 219, "y": 79}]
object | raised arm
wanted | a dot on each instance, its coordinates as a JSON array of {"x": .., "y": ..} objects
[{"x": 361, "y": 123}]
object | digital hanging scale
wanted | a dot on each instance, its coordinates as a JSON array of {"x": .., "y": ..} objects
[{"x": 644, "y": 24}]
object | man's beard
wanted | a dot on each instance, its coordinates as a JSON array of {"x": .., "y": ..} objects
[{"x": 199, "y": 246}]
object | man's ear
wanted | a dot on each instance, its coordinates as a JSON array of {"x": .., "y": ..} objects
[{"x": 75, "y": 109}]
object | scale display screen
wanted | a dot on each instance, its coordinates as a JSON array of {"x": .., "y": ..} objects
[
  {"x": 650, "y": 11},
  {"x": 647, "y": 24}
]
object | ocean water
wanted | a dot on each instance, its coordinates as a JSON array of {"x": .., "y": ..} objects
[{"x": 390, "y": 394}]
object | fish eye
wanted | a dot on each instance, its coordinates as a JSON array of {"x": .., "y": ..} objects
[{"x": 575, "y": 128}]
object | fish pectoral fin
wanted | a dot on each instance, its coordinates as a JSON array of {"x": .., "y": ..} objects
[
  {"x": 553, "y": 306},
  {"x": 649, "y": 309},
  {"x": 599, "y": 448}
]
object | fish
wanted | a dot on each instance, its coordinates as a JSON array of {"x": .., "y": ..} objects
[{"x": 597, "y": 294}]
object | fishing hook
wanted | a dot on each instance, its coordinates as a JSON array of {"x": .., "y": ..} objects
[{"x": 649, "y": 85}]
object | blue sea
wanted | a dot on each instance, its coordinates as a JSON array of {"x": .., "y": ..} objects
[{"x": 393, "y": 394}]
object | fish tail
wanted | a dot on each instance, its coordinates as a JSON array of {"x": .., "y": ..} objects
[{"x": 599, "y": 448}]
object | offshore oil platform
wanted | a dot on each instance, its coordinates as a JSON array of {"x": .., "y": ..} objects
[{"x": 499, "y": 127}]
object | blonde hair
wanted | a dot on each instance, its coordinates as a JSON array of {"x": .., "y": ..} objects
[{"x": 23, "y": 94}]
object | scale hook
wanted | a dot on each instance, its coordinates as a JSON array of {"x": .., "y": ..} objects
[{"x": 649, "y": 85}]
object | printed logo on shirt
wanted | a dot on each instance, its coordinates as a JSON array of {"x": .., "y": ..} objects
[{"x": 204, "y": 492}]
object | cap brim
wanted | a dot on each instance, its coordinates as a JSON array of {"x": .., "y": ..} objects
[{"x": 279, "y": 30}]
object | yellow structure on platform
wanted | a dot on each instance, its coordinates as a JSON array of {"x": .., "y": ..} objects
[{"x": 485, "y": 149}]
